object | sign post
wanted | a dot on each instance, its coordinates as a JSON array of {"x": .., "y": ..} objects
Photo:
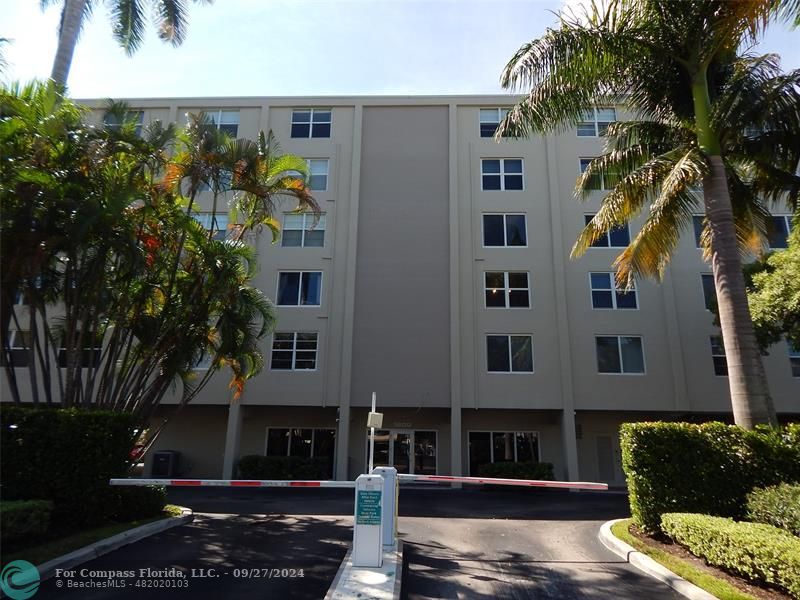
[
  {"x": 390, "y": 498},
  {"x": 367, "y": 524}
]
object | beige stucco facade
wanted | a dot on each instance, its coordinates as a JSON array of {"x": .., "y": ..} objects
[{"x": 402, "y": 309}]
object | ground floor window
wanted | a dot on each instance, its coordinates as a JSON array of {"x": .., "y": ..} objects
[
  {"x": 501, "y": 446},
  {"x": 302, "y": 442}
]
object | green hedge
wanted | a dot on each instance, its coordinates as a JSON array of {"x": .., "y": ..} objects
[
  {"x": 66, "y": 456},
  {"x": 255, "y": 466},
  {"x": 24, "y": 519},
  {"x": 517, "y": 470},
  {"x": 708, "y": 468},
  {"x": 778, "y": 505},
  {"x": 755, "y": 551}
]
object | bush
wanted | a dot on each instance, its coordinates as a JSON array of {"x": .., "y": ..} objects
[
  {"x": 517, "y": 470},
  {"x": 132, "y": 503},
  {"x": 21, "y": 519},
  {"x": 255, "y": 466},
  {"x": 66, "y": 456},
  {"x": 755, "y": 551},
  {"x": 778, "y": 505},
  {"x": 708, "y": 468}
]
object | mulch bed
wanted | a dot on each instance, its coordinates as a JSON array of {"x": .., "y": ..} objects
[{"x": 754, "y": 589}]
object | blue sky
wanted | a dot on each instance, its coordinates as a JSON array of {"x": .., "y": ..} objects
[{"x": 302, "y": 47}]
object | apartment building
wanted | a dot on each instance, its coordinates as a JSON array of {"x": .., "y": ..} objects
[{"x": 439, "y": 277}]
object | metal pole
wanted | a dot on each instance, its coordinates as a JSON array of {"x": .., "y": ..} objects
[{"x": 372, "y": 440}]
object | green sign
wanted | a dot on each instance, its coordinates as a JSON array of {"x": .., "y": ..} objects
[{"x": 368, "y": 508}]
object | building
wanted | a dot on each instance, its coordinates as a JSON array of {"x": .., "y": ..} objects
[{"x": 440, "y": 278}]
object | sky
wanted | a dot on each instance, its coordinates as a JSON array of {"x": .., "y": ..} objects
[{"x": 302, "y": 47}]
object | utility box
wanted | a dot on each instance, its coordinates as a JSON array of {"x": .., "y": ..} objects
[{"x": 165, "y": 464}]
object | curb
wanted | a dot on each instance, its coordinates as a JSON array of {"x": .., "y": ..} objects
[
  {"x": 647, "y": 565},
  {"x": 97, "y": 549},
  {"x": 350, "y": 583}
]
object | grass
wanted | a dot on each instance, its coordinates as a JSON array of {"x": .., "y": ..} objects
[
  {"x": 702, "y": 579},
  {"x": 51, "y": 549}
]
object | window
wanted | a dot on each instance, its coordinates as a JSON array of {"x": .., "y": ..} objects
[
  {"x": 597, "y": 181},
  {"x": 226, "y": 121},
  {"x": 504, "y": 230},
  {"x": 19, "y": 343},
  {"x": 305, "y": 442},
  {"x": 299, "y": 288},
  {"x": 619, "y": 237},
  {"x": 779, "y": 228},
  {"x": 294, "y": 351},
  {"x": 486, "y": 447},
  {"x": 311, "y": 123},
  {"x": 619, "y": 354},
  {"x": 794, "y": 359},
  {"x": 709, "y": 291},
  {"x": 606, "y": 294},
  {"x": 114, "y": 122},
  {"x": 509, "y": 353},
  {"x": 501, "y": 173},
  {"x": 595, "y": 121},
  {"x": 506, "y": 289},
  {"x": 698, "y": 224},
  {"x": 718, "y": 356},
  {"x": 490, "y": 119},
  {"x": 301, "y": 231},
  {"x": 218, "y": 223},
  {"x": 89, "y": 357},
  {"x": 318, "y": 178}
]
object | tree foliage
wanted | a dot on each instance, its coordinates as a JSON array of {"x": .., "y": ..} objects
[{"x": 120, "y": 290}]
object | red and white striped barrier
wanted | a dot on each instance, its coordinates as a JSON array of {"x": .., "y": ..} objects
[
  {"x": 265, "y": 483},
  {"x": 574, "y": 485},
  {"x": 248, "y": 483}
]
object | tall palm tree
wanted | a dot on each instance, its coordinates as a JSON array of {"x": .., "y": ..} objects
[
  {"x": 128, "y": 20},
  {"x": 664, "y": 60}
]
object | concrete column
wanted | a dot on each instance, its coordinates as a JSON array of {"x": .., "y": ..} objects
[
  {"x": 233, "y": 435},
  {"x": 570, "y": 444},
  {"x": 456, "y": 460},
  {"x": 342, "y": 441}
]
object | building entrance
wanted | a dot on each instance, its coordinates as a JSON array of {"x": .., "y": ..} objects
[{"x": 408, "y": 451}]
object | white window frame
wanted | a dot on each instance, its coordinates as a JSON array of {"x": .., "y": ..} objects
[
  {"x": 299, "y": 289},
  {"x": 607, "y": 234},
  {"x": 711, "y": 339},
  {"x": 310, "y": 173},
  {"x": 491, "y": 444},
  {"x": 507, "y": 289},
  {"x": 787, "y": 219},
  {"x": 622, "y": 371},
  {"x": 794, "y": 359},
  {"x": 307, "y": 217},
  {"x": 502, "y": 174},
  {"x": 614, "y": 291},
  {"x": 595, "y": 121},
  {"x": 294, "y": 351},
  {"x": 601, "y": 178},
  {"x": 311, "y": 123},
  {"x": 313, "y": 436},
  {"x": 505, "y": 228},
  {"x": 207, "y": 219},
  {"x": 139, "y": 121},
  {"x": 511, "y": 370},
  {"x": 695, "y": 237},
  {"x": 499, "y": 115},
  {"x": 216, "y": 115},
  {"x": 703, "y": 289}
]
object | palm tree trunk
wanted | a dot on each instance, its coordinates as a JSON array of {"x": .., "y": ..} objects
[
  {"x": 752, "y": 404},
  {"x": 71, "y": 17}
]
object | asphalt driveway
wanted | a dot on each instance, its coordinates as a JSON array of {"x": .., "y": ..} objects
[{"x": 467, "y": 543}]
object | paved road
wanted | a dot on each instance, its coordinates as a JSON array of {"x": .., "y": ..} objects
[{"x": 459, "y": 544}]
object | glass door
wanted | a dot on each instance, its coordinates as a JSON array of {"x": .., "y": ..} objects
[
  {"x": 407, "y": 451},
  {"x": 402, "y": 458}
]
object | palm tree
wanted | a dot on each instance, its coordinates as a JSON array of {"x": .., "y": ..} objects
[
  {"x": 128, "y": 20},
  {"x": 670, "y": 62}
]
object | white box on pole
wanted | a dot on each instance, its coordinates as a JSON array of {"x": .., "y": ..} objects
[
  {"x": 368, "y": 522},
  {"x": 390, "y": 498}
]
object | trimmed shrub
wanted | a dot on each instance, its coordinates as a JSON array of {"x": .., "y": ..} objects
[
  {"x": 754, "y": 551},
  {"x": 24, "y": 519},
  {"x": 132, "y": 503},
  {"x": 256, "y": 466},
  {"x": 708, "y": 468},
  {"x": 778, "y": 505},
  {"x": 517, "y": 470},
  {"x": 67, "y": 456}
]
